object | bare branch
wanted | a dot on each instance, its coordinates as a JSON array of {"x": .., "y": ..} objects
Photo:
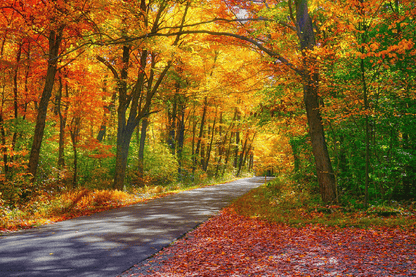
[{"x": 106, "y": 63}]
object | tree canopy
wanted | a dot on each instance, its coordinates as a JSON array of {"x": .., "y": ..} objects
[{"x": 112, "y": 94}]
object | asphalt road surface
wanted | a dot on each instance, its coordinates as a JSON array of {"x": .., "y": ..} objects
[{"x": 110, "y": 242}]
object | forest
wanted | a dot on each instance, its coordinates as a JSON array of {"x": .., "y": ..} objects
[{"x": 117, "y": 95}]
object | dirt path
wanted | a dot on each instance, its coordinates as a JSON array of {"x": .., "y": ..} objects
[{"x": 110, "y": 242}]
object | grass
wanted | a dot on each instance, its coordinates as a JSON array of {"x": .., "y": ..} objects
[
  {"x": 283, "y": 201},
  {"x": 46, "y": 208}
]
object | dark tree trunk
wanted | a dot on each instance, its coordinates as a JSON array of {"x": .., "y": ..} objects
[
  {"x": 172, "y": 125},
  {"x": 181, "y": 137},
  {"x": 123, "y": 142},
  {"x": 206, "y": 163},
  {"x": 200, "y": 136},
  {"x": 143, "y": 133},
  {"x": 124, "y": 133},
  {"x": 62, "y": 124},
  {"x": 55, "y": 39},
  {"x": 15, "y": 98},
  {"x": 295, "y": 152},
  {"x": 240, "y": 161},
  {"x": 228, "y": 153},
  {"x": 106, "y": 113},
  {"x": 75, "y": 128},
  {"x": 4, "y": 148},
  {"x": 310, "y": 79},
  {"x": 237, "y": 117}
]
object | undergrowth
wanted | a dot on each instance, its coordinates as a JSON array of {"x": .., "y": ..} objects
[{"x": 285, "y": 201}]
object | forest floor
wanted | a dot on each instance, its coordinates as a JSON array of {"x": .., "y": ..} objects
[
  {"x": 233, "y": 245},
  {"x": 273, "y": 231}
]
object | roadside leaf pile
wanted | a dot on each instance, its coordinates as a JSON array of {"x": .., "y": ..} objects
[{"x": 233, "y": 245}]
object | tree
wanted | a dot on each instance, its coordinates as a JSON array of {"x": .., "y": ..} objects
[
  {"x": 134, "y": 100},
  {"x": 301, "y": 23}
]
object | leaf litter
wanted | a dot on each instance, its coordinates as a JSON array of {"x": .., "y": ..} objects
[{"x": 233, "y": 245}]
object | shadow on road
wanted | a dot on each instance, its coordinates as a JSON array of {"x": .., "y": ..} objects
[{"x": 107, "y": 243}]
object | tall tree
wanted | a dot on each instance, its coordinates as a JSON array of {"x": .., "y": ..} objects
[{"x": 134, "y": 101}]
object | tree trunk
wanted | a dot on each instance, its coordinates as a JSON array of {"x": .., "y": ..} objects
[
  {"x": 310, "y": 79},
  {"x": 123, "y": 133},
  {"x": 106, "y": 114},
  {"x": 237, "y": 117},
  {"x": 294, "y": 143},
  {"x": 240, "y": 161},
  {"x": 75, "y": 129},
  {"x": 201, "y": 133},
  {"x": 4, "y": 147},
  {"x": 172, "y": 125},
  {"x": 55, "y": 39},
  {"x": 15, "y": 96},
  {"x": 181, "y": 137},
  {"x": 143, "y": 132},
  {"x": 123, "y": 143},
  {"x": 206, "y": 163},
  {"x": 62, "y": 124}
]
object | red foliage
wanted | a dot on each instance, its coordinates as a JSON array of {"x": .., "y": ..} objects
[{"x": 233, "y": 245}]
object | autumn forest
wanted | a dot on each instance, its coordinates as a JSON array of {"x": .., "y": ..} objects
[{"x": 123, "y": 94}]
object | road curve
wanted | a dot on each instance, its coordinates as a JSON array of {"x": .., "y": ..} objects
[{"x": 110, "y": 242}]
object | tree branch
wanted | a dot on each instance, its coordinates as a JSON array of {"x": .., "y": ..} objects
[
  {"x": 269, "y": 52},
  {"x": 106, "y": 63}
]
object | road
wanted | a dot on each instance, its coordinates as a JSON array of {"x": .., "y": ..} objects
[{"x": 110, "y": 242}]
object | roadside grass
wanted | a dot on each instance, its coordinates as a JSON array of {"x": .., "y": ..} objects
[
  {"x": 283, "y": 201},
  {"x": 47, "y": 207}
]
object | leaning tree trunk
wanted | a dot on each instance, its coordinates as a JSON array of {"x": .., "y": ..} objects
[
  {"x": 310, "y": 79},
  {"x": 55, "y": 39}
]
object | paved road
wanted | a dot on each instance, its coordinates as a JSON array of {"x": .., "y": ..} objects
[{"x": 110, "y": 242}]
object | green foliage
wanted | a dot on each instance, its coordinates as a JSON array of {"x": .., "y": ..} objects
[
  {"x": 160, "y": 164},
  {"x": 287, "y": 201},
  {"x": 16, "y": 191}
]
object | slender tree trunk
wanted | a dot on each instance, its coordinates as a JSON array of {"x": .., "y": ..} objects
[
  {"x": 237, "y": 139},
  {"x": 193, "y": 144},
  {"x": 310, "y": 79},
  {"x": 15, "y": 96},
  {"x": 181, "y": 137},
  {"x": 295, "y": 152},
  {"x": 210, "y": 147},
  {"x": 107, "y": 111},
  {"x": 75, "y": 128},
  {"x": 201, "y": 133},
  {"x": 55, "y": 38},
  {"x": 143, "y": 133},
  {"x": 363, "y": 28},
  {"x": 62, "y": 124},
  {"x": 4, "y": 147},
  {"x": 240, "y": 161},
  {"x": 172, "y": 125},
  {"x": 26, "y": 88},
  {"x": 228, "y": 153}
]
